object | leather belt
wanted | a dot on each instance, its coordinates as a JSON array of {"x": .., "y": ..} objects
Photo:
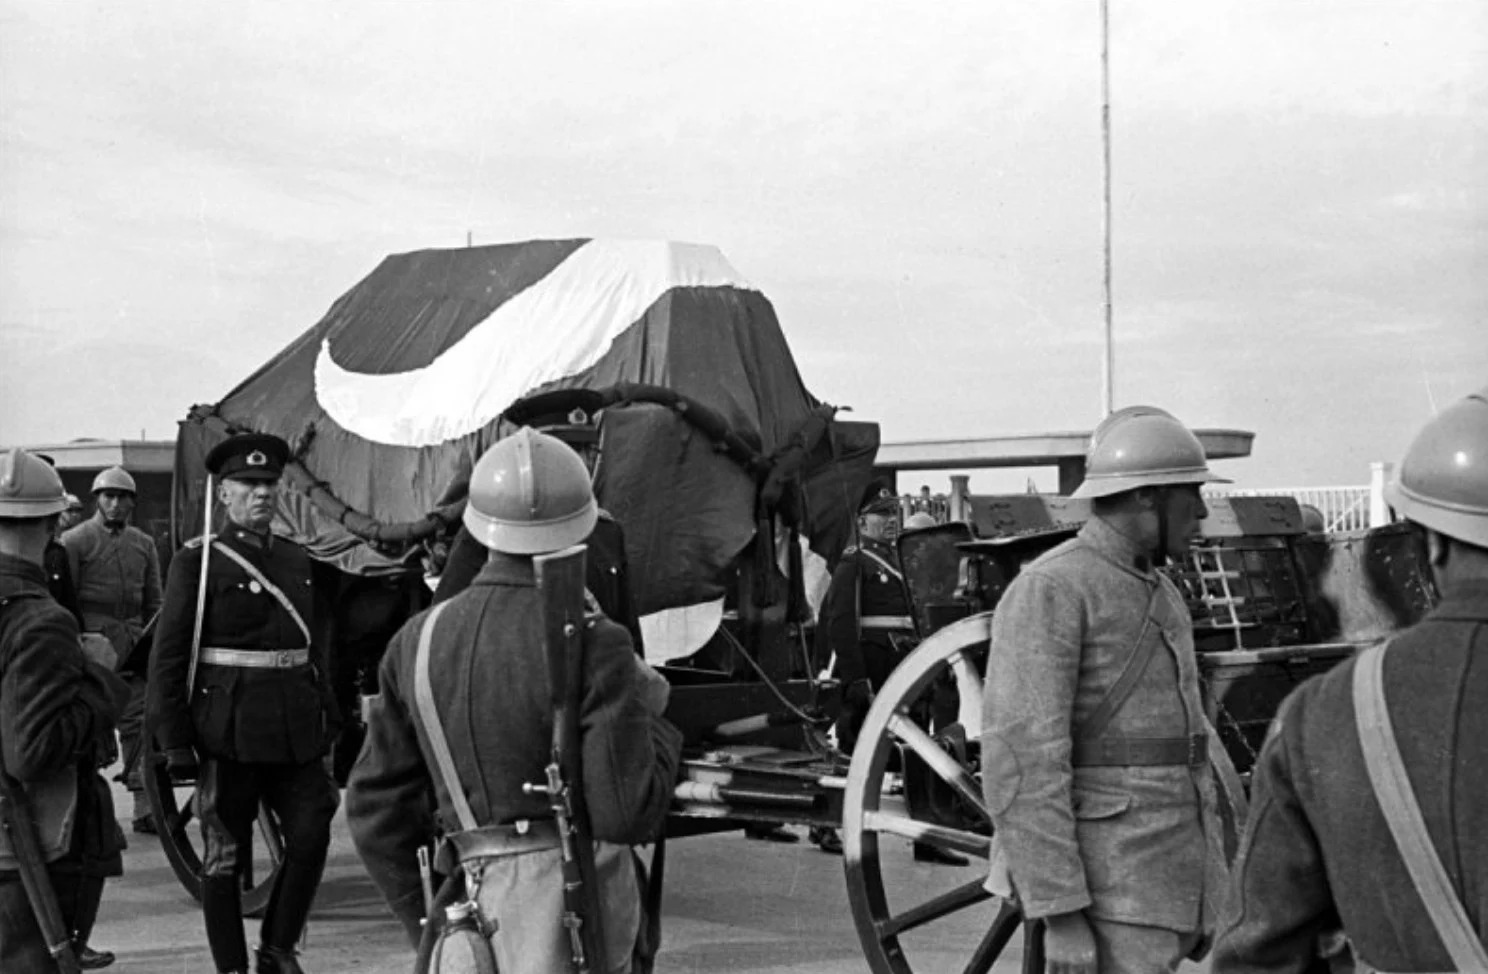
[
  {"x": 268, "y": 659},
  {"x": 1191, "y": 751},
  {"x": 495, "y": 841},
  {"x": 886, "y": 622}
]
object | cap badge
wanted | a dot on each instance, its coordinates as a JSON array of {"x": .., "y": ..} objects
[{"x": 256, "y": 459}]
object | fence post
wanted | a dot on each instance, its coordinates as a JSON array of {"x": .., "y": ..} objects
[
  {"x": 960, "y": 491},
  {"x": 1379, "y": 475}
]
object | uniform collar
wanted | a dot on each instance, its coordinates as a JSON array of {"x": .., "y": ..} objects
[
  {"x": 504, "y": 569},
  {"x": 1464, "y": 600},
  {"x": 250, "y": 538},
  {"x": 1120, "y": 550},
  {"x": 17, "y": 572}
]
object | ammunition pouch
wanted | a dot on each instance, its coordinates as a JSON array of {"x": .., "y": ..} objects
[
  {"x": 495, "y": 841},
  {"x": 54, "y": 805}
]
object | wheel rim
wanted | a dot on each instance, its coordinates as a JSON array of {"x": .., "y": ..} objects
[
  {"x": 966, "y": 928},
  {"x": 173, "y": 807}
]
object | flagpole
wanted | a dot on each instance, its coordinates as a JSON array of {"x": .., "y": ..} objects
[{"x": 1108, "y": 370}]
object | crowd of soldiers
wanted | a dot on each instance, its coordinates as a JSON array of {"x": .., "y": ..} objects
[{"x": 1095, "y": 753}]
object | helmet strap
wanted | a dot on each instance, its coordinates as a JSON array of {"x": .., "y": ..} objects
[{"x": 1160, "y": 557}]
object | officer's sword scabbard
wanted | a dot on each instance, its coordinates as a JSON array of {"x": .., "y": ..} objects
[{"x": 201, "y": 592}]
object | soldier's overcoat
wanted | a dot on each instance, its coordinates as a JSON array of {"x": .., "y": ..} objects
[
  {"x": 488, "y": 676},
  {"x": 1127, "y": 844},
  {"x": 1317, "y": 850},
  {"x": 116, "y": 574}
]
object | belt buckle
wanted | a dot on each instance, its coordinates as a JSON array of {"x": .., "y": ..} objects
[{"x": 281, "y": 659}]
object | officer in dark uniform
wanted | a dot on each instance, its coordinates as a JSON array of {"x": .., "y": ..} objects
[
  {"x": 864, "y": 620},
  {"x": 248, "y": 712},
  {"x": 606, "y": 571}
]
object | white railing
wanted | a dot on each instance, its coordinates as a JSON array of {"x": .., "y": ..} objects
[{"x": 1352, "y": 508}]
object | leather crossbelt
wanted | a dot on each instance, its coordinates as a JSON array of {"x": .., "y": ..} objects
[
  {"x": 267, "y": 659},
  {"x": 1191, "y": 751}
]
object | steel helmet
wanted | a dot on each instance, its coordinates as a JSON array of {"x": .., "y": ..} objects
[
  {"x": 114, "y": 478},
  {"x": 530, "y": 494},
  {"x": 1443, "y": 480},
  {"x": 29, "y": 487},
  {"x": 1142, "y": 446},
  {"x": 918, "y": 520}
]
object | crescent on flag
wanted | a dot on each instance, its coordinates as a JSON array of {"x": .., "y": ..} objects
[{"x": 559, "y": 326}]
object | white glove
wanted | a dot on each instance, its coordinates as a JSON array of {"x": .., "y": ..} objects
[{"x": 99, "y": 649}]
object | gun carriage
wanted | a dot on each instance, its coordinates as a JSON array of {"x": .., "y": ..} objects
[{"x": 1271, "y": 605}]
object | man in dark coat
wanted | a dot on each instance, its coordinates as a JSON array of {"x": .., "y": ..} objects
[
  {"x": 248, "y": 712},
  {"x": 59, "y": 699},
  {"x": 529, "y": 495},
  {"x": 1318, "y": 853},
  {"x": 864, "y": 621}
]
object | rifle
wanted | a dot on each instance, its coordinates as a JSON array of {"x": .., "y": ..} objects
[
  {"x": 17, "y": 820},
  {"x": 560, "y": 587}
]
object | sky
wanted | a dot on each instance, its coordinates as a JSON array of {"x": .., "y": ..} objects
[{"x": 1299, "y": 199}]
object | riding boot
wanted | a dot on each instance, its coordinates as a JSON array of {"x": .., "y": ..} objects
[
  {"x": 290, "y": 901},
  {"x": 222, "y": 910}
]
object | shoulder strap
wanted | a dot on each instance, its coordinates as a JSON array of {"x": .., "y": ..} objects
[
  {"x": 1137, "y": 661},
  {"x": 883, "y": 563},
  {"x": 1397, "y": 800},
  {"x": 269, "y": 586},
  {"x": 423, "y": 695}
]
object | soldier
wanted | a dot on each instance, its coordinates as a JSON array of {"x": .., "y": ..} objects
[
  {"x": 1319, "y": 849},
  {"x": 1094, "y": 741},
  {"x": 116, "y": 572},
  {"x": 57, "y": 701},
  {"x": 58, "y": 571},
  {"x": 247, "y": 710},
  {"x": 864, "y": 622},
  {"x": 529, "y": 494},
  {"x": 75, "y": 513},
  {"x": 607, "y": 574}
]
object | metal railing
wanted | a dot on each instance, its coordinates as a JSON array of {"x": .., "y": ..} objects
[
  {"x": 1351, "y": 508},
  {"x": 1343, "y": 508}
]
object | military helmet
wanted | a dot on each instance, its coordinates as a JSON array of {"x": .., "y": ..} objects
[
  {"x": 1443, "y": 480},
  {"x": 1142, "y": 446},
  {"x": 918, "y": 520},
  {"x": 530, "y": 494},
  {"x": 29, "y": 487},
  {"x": 114, "y": 478}
]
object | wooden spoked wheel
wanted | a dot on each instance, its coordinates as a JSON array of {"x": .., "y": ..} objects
[
  {"x": 913, "y": 916},
  {"x": 174, "y": 808}
]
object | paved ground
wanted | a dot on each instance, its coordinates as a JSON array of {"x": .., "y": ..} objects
[{"x": 732, "y": 905}]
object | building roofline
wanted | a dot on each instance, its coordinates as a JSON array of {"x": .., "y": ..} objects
[
  {"x": 136, "y": 456},
  {"x": 1030, "y": 450}
]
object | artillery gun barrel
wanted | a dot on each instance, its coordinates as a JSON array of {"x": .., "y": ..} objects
[{"x": 714, "y": 794}]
